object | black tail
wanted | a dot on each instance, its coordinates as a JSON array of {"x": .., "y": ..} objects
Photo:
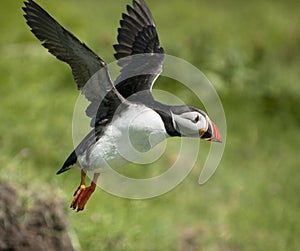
[{"x": 71, "y": 160}]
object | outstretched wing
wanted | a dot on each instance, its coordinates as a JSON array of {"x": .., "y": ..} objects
[
  {"x": 89, "y": 70},
  {"x": 138, "y": 50}
]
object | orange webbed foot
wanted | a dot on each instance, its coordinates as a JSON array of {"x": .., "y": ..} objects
[
  {"x": 81, "y": 196},
  {"x": 83, "y": 193}
]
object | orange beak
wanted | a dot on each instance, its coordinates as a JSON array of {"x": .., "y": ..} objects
[{"x": 216, "y": 135}]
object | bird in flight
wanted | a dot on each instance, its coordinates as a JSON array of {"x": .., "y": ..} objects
[{"x": 124, "y": 103}]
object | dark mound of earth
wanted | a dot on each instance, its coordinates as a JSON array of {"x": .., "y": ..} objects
[{"x": 30, "y": 222}]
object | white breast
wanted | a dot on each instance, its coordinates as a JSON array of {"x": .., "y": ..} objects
[{"x": 136, "y": 130}]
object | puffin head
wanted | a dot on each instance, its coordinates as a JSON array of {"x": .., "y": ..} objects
[{"x": 192, "y": 122}]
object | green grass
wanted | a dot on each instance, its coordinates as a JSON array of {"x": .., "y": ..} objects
[{"x": 249, "y": 51}]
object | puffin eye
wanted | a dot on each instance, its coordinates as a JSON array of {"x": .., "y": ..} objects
[{"x": 196, "y": 119}]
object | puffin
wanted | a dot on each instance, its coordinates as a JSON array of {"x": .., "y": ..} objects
[{"x": 125, "y": 105}]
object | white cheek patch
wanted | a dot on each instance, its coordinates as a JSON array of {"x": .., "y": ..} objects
[
  {"x": 186, "y": 125},
  {"x": 202, "y": 124}
]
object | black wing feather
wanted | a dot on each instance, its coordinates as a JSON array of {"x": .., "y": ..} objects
[
  {"x": 62, "y": 44},
  {"x": 137, "y": 36},
  {"x": 89, "y": 71}
]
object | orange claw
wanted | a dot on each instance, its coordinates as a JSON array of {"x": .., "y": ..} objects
[{"x": 83, "y": 193}]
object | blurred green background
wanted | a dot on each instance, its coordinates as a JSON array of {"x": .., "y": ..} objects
[{"x": 250, "y": 51}]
